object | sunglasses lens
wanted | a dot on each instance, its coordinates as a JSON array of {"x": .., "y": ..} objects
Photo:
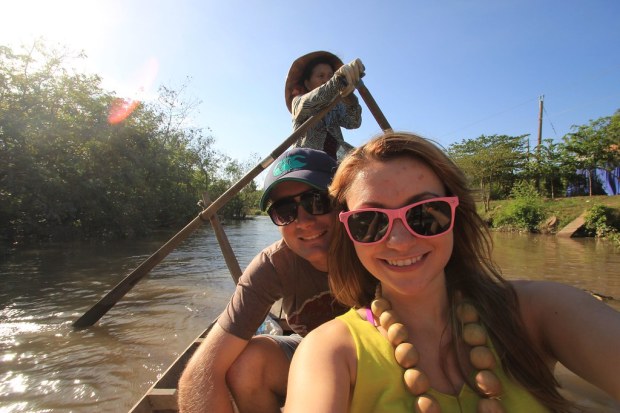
[
  {"x": 283, "y": 213},
  {"x": 315, "y": 203},
  {"x": 426, "y": 219},
  {"x": 429, "y": 219},
  {"x": 368, "y": 226}
]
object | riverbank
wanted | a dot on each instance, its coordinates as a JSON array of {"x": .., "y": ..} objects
[{"x": 565, "y": 210}]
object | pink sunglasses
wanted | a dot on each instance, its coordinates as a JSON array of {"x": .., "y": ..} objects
[{"x": 425, "y": 219}]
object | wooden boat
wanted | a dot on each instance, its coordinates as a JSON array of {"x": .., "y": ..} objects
[{"x": 162, "y": 396}]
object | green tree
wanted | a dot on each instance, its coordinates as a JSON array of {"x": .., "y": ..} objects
[
  {"x": 69, "y": 173},
  {"x": 247, "y": 199},
  {"x": 550, "y": 165},
  {"x": 592, "y": 146},
  {"x": 526, "y": 211},
  {"x": 492, "y": 162},
  {"x": 613, "y": 150}
]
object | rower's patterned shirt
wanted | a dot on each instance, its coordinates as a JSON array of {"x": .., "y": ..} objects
[{"x": 347, "y": 115}]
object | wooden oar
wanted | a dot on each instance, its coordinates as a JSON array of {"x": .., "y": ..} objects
[
  {"x": 229, "y": 255},
  {"x": 97, "y": 311},
  {"x": 373, "y": 107}
]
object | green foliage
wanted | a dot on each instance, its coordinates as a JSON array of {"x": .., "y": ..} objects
[
  {"x": 69, "y": 173},
  {"x": 594, "y": 146},
  {"x": 492, "y": 162},
  {"x": 602, "y": 221},
  {"x": 525, "y": 213},
  {"x": 551, "y": 166}
]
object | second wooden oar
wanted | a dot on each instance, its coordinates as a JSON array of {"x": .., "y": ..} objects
[{"x": 229, "y": 255}]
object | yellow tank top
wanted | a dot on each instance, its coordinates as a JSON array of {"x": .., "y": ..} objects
[{"x": 379, "y": 386}]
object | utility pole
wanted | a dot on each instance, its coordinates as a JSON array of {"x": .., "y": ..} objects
[{"x": 541, "y": 99}]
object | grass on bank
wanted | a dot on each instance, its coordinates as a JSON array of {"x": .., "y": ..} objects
[
  {"x": 564, "y": 209},
  {"x": 527, "y": 212}
]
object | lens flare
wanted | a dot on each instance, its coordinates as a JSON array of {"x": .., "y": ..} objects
[{"x": 121, "y": 108}]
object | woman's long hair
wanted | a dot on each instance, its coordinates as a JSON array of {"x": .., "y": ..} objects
[{"x": 470, "y": 270}]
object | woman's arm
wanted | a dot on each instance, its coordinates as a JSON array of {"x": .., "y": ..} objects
[
  {"x": 308, "y": 104},
  {"x": 571, "y": 326},
  {"x": 322, "y": 373}
]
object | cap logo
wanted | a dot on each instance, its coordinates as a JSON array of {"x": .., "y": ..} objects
[{"x": 288, "y": 164}]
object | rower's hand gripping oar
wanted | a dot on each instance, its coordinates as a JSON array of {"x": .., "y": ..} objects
[
  {"x": 354, "y": 72},
  {"x": 97, "y": 311}
]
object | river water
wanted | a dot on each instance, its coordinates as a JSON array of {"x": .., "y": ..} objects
[{"x": 45, "y": 365}]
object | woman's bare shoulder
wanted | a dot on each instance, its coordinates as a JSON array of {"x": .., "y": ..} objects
[{"x": 332, "y": 333}]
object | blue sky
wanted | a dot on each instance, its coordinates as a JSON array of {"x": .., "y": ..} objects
[{"x": 448, "y": 70}]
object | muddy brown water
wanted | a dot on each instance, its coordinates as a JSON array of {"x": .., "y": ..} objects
[{"x": 46, "y": 366}]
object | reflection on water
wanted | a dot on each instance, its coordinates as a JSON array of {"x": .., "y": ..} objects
[
  {"x": 588, "y": 264},
  {"x": 47, "y": 366}
]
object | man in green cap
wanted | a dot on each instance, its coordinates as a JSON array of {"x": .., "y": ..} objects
[{"x": 232, "y": 360}]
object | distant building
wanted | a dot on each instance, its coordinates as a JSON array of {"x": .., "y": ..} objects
[{"x": 607, "y": 181}]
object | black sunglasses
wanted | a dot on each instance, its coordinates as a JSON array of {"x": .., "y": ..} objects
[{"x": 284, "y": 211}]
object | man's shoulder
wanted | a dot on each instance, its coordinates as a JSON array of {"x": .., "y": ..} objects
[
  {"x": 277, "y": 251},
  {"x": 281, "y": 257},
  {"x": 276, "y": 246}
]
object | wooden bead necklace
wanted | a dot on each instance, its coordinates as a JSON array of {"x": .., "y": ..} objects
[{"x": 407, "y": 356}]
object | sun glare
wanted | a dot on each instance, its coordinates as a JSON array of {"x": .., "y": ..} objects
[
  {"x": 79, "y": 24},
  {"x": 141, "y": 85},
  {"x": 82, "y": 25}
]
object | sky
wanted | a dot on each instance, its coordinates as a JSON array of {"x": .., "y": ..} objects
[{"x": 448, "y": 70}]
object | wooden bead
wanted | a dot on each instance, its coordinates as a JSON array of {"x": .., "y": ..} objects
[
  {"x": 467, "y": 313},
  {"x": 397, "y": 333},
  {"x": 387, "y": 318},
  {"x": 416, "y": 381},
  {"x": 482, "y": 358},
  {"x": 488, "y": 383},
  {"x": 426, "y": 404},
  {"x": 379, "y": 305},
  {"x": 406, "y": 355},
  {"x": 489, "y": 406},
  {"x": 474, "y": 334}
]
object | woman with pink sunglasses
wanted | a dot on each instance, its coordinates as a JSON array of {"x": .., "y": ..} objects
[{"x": 434, "y": 327}]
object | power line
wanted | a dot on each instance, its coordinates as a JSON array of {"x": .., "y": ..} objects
[
  {"x": 550, "y": 123},
  {"x": 489, "y": 117}
]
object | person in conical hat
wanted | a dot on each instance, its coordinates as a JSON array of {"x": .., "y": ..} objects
[{"x": 313, "y": 80}]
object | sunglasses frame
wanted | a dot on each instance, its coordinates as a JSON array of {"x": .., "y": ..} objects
[
  {"x": 291, "y": 199},
  {"x": 400, "y": 213}
]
